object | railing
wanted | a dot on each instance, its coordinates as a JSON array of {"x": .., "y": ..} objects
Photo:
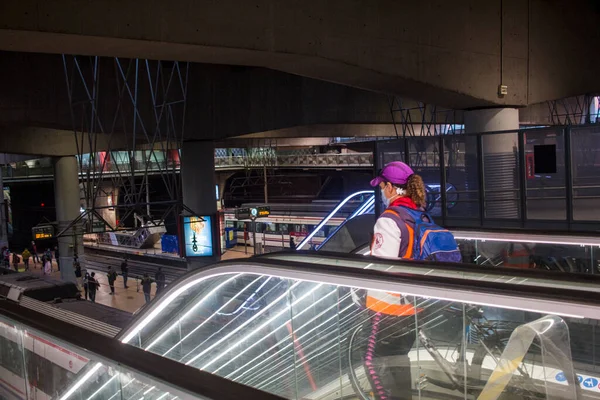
[
  {"x": 501, "y": 183},
  {"x": 345, "y": 160},
  {"x": 281, "y": 320}
]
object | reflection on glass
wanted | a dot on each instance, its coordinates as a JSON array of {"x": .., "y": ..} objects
[
  {"x": 569, "y": 258},
  {"x": 310, "y": 340},
  {"x": 34, "y": 366}
]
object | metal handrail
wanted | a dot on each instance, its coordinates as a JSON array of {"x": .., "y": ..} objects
[
  {"x": 556, "y": 301},
  {"x": 172, "y": 373},
  {"x": 305, "y": 160}
]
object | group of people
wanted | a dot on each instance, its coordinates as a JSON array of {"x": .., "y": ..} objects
[
  {"x": 86, "y": 281},
  {"x": 14, "y": 258},
  {"x": 91, "y": 284}
]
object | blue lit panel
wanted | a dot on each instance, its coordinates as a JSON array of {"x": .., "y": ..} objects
[{"x": 197, "y": 235}]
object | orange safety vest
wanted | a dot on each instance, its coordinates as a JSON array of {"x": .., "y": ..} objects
[{"x": 389, "y": 303}]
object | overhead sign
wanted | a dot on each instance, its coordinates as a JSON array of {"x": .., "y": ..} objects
[
  {"x": 252, "y": 213},
  {"x": 42, "y": 232},
  {"x": 98, "y": 226}
]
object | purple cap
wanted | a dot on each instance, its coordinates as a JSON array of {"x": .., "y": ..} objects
[{"x": 395, "y": 172}]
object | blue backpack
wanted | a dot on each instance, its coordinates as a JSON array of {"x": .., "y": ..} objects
[{"x": 427, "y": 241}]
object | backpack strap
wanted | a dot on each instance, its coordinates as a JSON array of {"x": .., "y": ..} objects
[{"x": 407, "y": 230}]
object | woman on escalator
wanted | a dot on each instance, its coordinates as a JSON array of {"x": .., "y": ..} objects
[{"x": 393, "y": 315}]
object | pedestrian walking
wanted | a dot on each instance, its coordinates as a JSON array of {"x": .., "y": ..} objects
[
  {"x": 57, "y": 257},
  {"x": 36, "y": 257},
  {"x": 16, "y": 260},
  {"x": 159, "y": 277},
  {"x": 112, "y": 277},
  {"x": 125, "y": 272},
  {"x": 48, "y": 255},
  {"x": 47, "y": 265},
  {"x": 93, "y": 286},
  {"x": 6, "y": 257},
  {"x": 26, "y": 256},
  {"x": 147, "y": 287},
  {"x": 77, "y": 268},
  {"x": 86, "y": 280}
]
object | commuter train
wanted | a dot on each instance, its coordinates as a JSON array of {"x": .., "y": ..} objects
[
  {"x": 288, "y": 220},
  {"x": 48, "y": 367}
]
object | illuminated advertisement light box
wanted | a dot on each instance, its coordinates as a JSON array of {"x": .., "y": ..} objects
[{"x": 197, "y": 233}]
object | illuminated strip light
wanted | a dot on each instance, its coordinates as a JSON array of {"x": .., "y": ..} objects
[
  {"x": 334, "y": 291},
  {"x": 300, "y": 328},
  {"x": 522, "y": 240},
  {"x": 218, "y": 342},
  {"x": 226, "y": 325},
  {"x": 308, "y": 357},
  {"x": 212, "y": 315},
  {"x": 103, "y": 386},
  {"x": 290, "y": 344},
  {"x": 337, "y": 344},
  {"x": 273, "y": 331},
  {"x": 257, "y": 374},
  {"x": 331, "y": 214},
  {"x": 366, "y": 208},
  {"x": 161, "y": 306},
  {"x": 243, "y": 306},
  {"x": 361, "y": 210},
  {"x": 206, "y": 296},
  {"x": 279, "y": 314},
  {"x": 81, "y": 381},
  {"x": 262, "y": 326},
  {"x": 341, "y": 322},
  {"x": 149, "y": 390},
  {"x": 119, "y": 391}
]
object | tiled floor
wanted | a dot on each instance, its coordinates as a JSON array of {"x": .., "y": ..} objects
[{"x": 124, "y": 299}]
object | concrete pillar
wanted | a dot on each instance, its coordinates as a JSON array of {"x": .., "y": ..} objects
[
  {"x": 198, "y": 185},
  {"x": 500, "y": 162},
  {"x": 66, "y": 194}
]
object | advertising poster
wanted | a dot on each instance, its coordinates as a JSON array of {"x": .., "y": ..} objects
[{"x": 197, "y": 232}]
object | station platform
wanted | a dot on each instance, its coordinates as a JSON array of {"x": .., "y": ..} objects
[{"x": 129, "y": 299}]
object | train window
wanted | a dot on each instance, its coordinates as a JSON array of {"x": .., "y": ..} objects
[
  {"x": 230, "y": 224},
  {"x": 283, "y": 228},
  {"x": 10, "y": 356},
  {"x": 270, "y": 227}
]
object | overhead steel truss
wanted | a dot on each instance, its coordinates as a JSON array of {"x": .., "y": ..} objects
[
  {"x": 415, "y": 118},
  {"x": 574, "y": 110},
  {"x": 134, "y": 107},
  {"x": 418, "y": 119}
]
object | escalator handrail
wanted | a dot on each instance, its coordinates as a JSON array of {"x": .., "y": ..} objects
[
  {"x": 564, "y": 302},
  {"x": 557, "y": 276},
  {"x": 172, "y": 373},
  {"x": 308, "y": 238}
]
